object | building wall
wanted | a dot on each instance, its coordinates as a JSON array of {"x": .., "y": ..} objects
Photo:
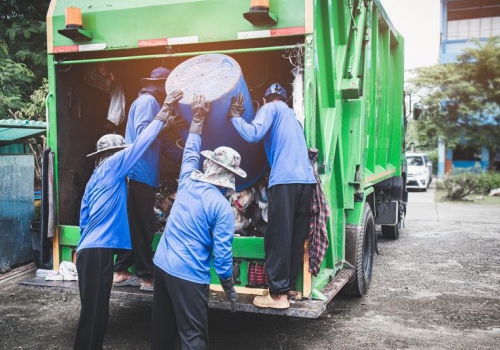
[{"x": 461, "y": 21}]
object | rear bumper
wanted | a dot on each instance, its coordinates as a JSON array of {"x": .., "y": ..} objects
[{"x": 301, "y": 308}]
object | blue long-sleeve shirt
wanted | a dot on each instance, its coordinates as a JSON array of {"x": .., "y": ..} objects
[
  {"x": 103, "y": 214},
  {"x": 141, "y": 114},
  {"x": 201, "y": 224},
  {"x": 284, "y": 143}
]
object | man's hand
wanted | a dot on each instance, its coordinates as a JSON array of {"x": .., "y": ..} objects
[
  {"x": 228, "y": 286},
  {"x": 236, "y": 110},
  {"x": 200, "y": 109},
  {"x": 167, "y": 110}
]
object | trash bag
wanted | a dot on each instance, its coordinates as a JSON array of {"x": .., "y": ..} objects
[
  {"x": 116, "y": 112},
  {"x": 67, "y": 272}
]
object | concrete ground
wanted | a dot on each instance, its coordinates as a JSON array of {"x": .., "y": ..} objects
[{"x": 437, "y": 287}]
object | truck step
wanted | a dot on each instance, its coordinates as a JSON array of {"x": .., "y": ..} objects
[{"x": 300, "y": 308}]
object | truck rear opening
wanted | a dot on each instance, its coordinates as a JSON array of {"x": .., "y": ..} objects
[
  {"x": 85, "y": 105},
  {"x": 340, "y": 61}
]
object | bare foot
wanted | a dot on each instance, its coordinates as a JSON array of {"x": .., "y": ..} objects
[
  {"x": 120, "y": 276},
  {"x": 147, "y": 281}
]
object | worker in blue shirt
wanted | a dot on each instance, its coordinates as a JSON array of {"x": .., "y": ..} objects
[
  {"x": 291, "y": 182},
  {"x": 104, "y": 226},
  {"x": 143, "y": 184},
  {"x": 200, "y": 225}
]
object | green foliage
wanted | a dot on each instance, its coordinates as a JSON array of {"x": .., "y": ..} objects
[
  {"x": 27, "y": 42},
  {"x": 461, "y": 100},
  {"x": 14, "y": 78},
  {"x": 35, "y": 109},
  {"x": 488, "y": 181},
  {"x": 459, "y": 186},
  {"x": 412, "y": 139},
  {"x": 433, "y": 157},
  {"x": 22, "y": 52}
]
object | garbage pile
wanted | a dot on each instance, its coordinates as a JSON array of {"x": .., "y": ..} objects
[
  {"x": 249, "y": 207},
  {"x": 250, "y": 210},
  {"x": 163, "y": 204}
]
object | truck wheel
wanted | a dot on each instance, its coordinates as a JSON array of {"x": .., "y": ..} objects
[
  {"x": 364, "y": 259},
  {"x": 390, "y": 232}
]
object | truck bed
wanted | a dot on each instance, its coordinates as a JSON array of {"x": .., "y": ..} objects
[{"x": 301, "y": 308}]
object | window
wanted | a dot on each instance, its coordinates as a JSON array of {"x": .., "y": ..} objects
[
  {"x": 473, "y": 28},
  {"x": 467, "y": 152},
  {"x": 415, "y": 161}
]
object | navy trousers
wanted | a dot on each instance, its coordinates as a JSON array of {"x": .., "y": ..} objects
[
  {"x": 180, "y": 308},
  {"x": 141, "y": 218},
  {"x": 95, "y": 278},
  {"x": 286, "y": 232}
]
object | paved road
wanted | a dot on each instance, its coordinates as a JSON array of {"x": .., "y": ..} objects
[
  {"x": 437, "y": 287},
  {"x": 422, "y": 207}
]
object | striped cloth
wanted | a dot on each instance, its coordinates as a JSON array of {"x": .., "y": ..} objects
[{"x": 318, "y": 217}]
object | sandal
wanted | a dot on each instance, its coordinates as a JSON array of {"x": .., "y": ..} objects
[
  {"x": 147, "y": 288},
  {"x": 133, "y": 281},
  {"x": 120, "y": 276}
]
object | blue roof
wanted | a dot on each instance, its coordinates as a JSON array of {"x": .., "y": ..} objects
[{"x": 16, "y": 130}]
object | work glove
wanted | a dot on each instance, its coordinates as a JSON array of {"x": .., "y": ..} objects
[
  {"x": 228, "y": 286},
  {"x": 174, "y": 121},
  {"x": 167, "y": 108},
  {"x": 173, "y": 98},
  {"x": 236, "y": 110},
  {"x": 200, "y": 109}
]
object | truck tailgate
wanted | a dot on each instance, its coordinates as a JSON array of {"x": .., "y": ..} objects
[{"x": 301, "y": 308}]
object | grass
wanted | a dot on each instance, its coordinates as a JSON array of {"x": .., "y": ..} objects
[{"x": 494, "y": 200}]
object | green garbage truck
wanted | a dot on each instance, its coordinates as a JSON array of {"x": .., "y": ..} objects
[{"x": 340, "y": 60}]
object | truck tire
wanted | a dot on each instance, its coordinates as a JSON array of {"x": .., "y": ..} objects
[
  {"x": 390, "y": 232},
  {"x": 364, "y": 258}
]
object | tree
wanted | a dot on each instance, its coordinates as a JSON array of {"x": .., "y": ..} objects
[
  {"x": 22, "y": 52},
  {"x": 462, "y": 100},
  {"x": 14, "y": 78},
  {"x": 23, "y": 30},
  {"x": 35, "y": 108}
]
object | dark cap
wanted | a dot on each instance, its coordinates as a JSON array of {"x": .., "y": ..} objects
[
  {"x": 276, "y": 89},
  {"x": 159, "y": 74}
]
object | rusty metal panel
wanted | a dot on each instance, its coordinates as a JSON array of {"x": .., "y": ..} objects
[{"x": 16, "y": 209}]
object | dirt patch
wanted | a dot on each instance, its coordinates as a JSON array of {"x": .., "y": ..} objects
[{"x": 437, "y": 287}]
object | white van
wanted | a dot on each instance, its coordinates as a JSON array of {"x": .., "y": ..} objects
[{"x": 419, "y": 171}]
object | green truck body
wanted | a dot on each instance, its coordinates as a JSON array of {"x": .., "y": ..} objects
[{"x": 353, "y": 104}]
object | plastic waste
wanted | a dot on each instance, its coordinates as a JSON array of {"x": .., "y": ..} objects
[
  {"x": 67, "y": 272},
  {"x": 116, "y": 112}
]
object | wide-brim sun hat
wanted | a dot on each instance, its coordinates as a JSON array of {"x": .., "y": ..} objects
[
  {"x": 109, "y": 142},
  {"x": 216, "y": 175},
  {"x": 159, "y": 74},
  {"x": 227, "y": 158},
  {"x": 220, "y": 168}
]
